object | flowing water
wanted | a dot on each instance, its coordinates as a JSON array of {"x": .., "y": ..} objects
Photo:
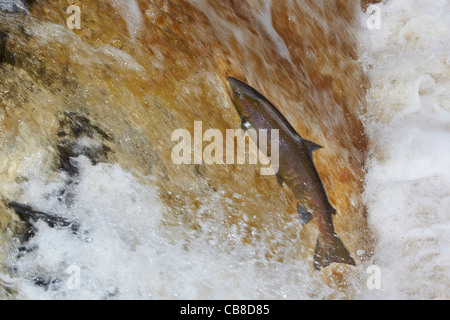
[
  {"x": 87, "y": 116},
  {"x": 407, "y": 188}
]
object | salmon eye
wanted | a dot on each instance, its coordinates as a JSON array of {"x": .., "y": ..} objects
[{"x": 237, "y": 94}]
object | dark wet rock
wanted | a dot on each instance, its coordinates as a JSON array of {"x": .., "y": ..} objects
[
  {"x": 31, "y": 216},
  {"x": 46, "y": 282},
  {"x": 6, "y": 56},
  {"x": 3, "y": 40},
  {"x": 74, "y": 135}
]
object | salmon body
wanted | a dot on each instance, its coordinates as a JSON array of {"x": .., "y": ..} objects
[{"x": 296, "y": 170}]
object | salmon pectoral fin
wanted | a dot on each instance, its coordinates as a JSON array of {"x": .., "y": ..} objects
[
  {"x": 329, "y": 251},
  {"x": 245, "y": 125},
  {"x": 304, "y": 215},
  {"x": 280, "y": 180}
]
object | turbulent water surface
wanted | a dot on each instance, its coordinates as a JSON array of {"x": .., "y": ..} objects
[
  {"x": 407, "y": 188},
  {"x": 93, "y": 205}
]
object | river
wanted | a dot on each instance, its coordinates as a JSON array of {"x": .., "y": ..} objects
[{"x": 94, "y": 207}]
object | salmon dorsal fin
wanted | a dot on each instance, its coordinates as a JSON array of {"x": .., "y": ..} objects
[{"x": 312, "y": 146}]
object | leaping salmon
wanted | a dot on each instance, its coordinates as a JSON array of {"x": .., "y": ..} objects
[{"x": 296, "y": 170}]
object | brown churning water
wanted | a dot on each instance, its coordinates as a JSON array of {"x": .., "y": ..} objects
[{"x": 85, "y": 110}]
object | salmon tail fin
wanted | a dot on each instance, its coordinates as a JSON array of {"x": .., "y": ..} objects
[{"x": 329, "y": 251}]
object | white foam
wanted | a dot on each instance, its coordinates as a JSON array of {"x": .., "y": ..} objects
[
  {"x": 124, "y": 250},
  {"x": 116, "y": 213},
  {"x": 130, "y": 11},
  {"x": 408, "y": 182},
  {"x": 13, "y": 5}
]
